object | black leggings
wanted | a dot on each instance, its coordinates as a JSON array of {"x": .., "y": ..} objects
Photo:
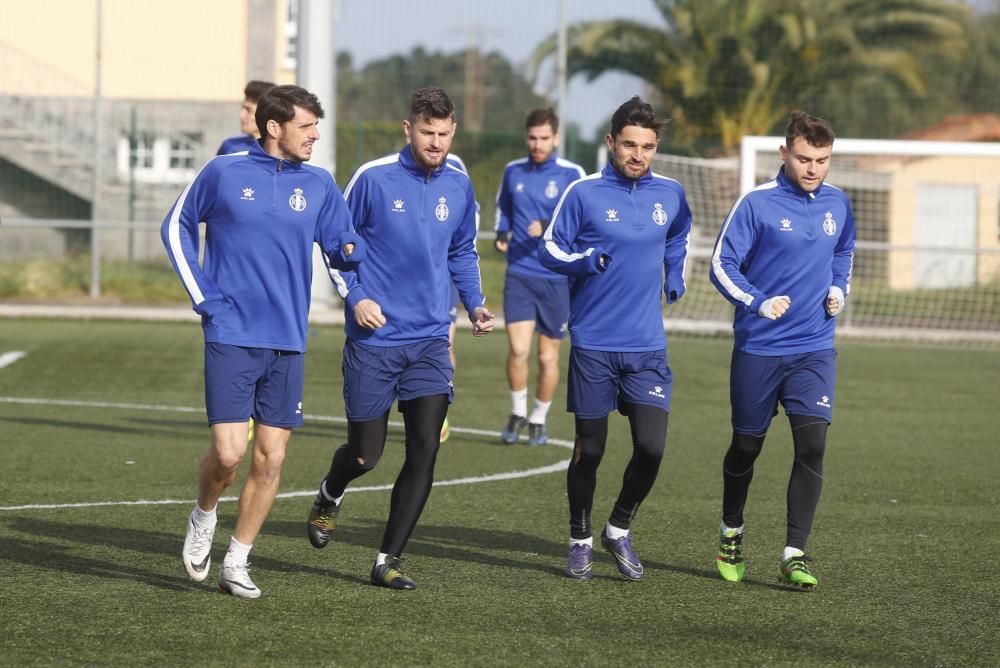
[
  {"x": 649, "y": 440},
  {"x": 423, "y": 418},
  {"x": 804, "y": 484}
]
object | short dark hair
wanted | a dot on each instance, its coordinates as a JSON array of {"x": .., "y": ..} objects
[
  {"x": 279, "y": 102},
  {"x": 431, "y": 102},
  {"x": 545, "y": 116},
  {"x": 254, "y": 89},
  {"x": 816, "y": 131},
  {"x": 636, "y": 111}
]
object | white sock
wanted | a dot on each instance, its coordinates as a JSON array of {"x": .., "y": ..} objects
[
  {"x": 589, "y": 542},
  {"x": 203, "y": 518},
  {"x": 791, "y": 552},
  {"x": 380, "y": 559},
  {"x": 237, "y": 553},
  {"x": 519, "y": 402},
  {"x": 613, "y": 532},
  {"x": 538, "y": 413},
  {"x": 326, "y": 494},
  {"x": 723, "y": 528}
]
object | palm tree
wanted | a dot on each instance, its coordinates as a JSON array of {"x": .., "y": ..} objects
[{"x": 725, "y": 68}]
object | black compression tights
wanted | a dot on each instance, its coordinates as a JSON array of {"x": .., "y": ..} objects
[
  {"x": 649, "y": 438},
  {"x": 804, "y": 484},
  {"x": 423, "y": 418}
]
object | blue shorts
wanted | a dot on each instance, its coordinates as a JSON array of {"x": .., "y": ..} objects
[
  {"x": 544, "y": 300},
  {"x": 456, "y": 304},
  {"x": 599, "y": 381},
  {"x": 803, "y": 383},
  {"x": 265, "y": 384},
  {"x": 375, "y": 376}
]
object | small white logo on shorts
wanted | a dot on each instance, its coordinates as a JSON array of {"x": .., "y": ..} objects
[
  {"x": 298, "y": 411},
  {"x": 824, "y": 402},
  {"x": 658, "y": 392}
]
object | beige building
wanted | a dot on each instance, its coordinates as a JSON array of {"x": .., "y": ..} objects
[{"x": 171, "y": 77}]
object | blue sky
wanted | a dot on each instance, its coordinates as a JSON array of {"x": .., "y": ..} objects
[{"x": 378, "y": 28}]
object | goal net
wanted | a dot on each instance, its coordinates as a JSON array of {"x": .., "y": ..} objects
[{"x": 927, "y": 261}]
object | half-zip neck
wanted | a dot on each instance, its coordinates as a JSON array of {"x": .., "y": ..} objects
[{"x": 616, "y": 178}]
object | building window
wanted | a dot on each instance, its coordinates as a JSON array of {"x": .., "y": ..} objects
[{"x": 146, "y": 157}]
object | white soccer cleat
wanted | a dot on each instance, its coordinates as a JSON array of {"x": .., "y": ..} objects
[
  {"x": 197, "y": 554},
  {"x": 235, "y": 580}
]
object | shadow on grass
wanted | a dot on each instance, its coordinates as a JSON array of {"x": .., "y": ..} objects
[{"x": 59, "y": 556}]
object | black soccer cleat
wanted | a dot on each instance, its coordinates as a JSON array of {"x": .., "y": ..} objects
[
  {"x": 322, "y": 520},
  {"x": 390, "y": 575}
]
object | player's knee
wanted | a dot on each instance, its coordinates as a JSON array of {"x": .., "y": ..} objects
[
  {"x": 650, "y": 449},
  {"x": 519, "y": 353},
  {"x": 368, "y": 463},
  {"x": 548, "y": 359},
  {"x": 747, "y": 447},
  {"x": 809, "y": 440}
]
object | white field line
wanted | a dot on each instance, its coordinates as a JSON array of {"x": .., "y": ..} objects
[
  {"x": 8, "y": 358},
  {"x": 509, "y": 475}
]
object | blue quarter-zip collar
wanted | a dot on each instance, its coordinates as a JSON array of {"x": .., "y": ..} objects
[
  {"x": 269, "y": 162},
  {"x": 792, "y": 188},
  {"x": 545, "y": 164},
  {"x": 417, "y": 171},
  {"x": 616, "y": 178}
]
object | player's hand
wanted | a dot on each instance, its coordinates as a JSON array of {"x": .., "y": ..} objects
[
  {"x": 835, "y": 300},
  {"x": 482, "y": 321},
  {"x": 501, "y": 242},
  {"x": 368, "y": 314},
  {"x": 535, "y": 228},
  {"x": 775, "y": 307},
  {"x": 348, "y": 249}
]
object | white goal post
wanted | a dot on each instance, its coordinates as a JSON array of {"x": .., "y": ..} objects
[{"x": 927, "y": 263}]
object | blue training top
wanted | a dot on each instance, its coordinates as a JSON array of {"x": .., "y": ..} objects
[
  {"x": 420, "y": 231},
  {"x": 528, "y": 192},
  {"x": 780, "y": 240},
  {"x": 262, "y": 216},
  {"x": 643, "y": 227}
]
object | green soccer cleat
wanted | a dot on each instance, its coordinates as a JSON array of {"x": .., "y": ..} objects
[
  {"x": 390, "y": 574},
  {"x": 795, "y": 573},
  {"x": 322, "y": 520},
  {"x": 729, "y": 560}
]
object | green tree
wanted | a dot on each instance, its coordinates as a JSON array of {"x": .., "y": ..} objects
[{"x": 722, "y": 69}]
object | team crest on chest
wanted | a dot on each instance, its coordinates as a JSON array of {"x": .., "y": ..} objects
[
  {"x": 659, "y": 215},
  {"x": 441, "y": 210},
  {"x": 829, "y": 224},
  {"x": 297, "y": 201},
  {"x": 552, "y": 190}
]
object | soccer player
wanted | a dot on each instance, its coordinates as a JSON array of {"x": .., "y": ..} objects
[
  {"x": 417, "y": 215},
  {"x": 783, "y": 257},
  {"x": 534, "y": 298},
  {"x": 248, "y": 119},
  {"x": 263, "y": 210},
  {"x": 621, "y": 234}
]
